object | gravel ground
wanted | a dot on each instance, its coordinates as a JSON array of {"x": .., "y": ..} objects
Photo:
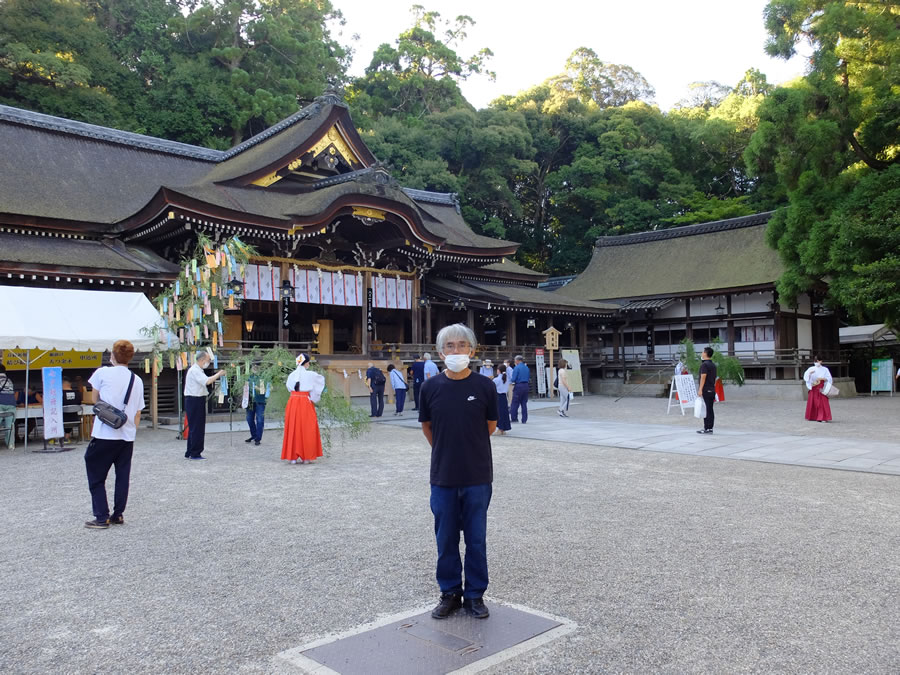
[{"x": 667, "y": 563}]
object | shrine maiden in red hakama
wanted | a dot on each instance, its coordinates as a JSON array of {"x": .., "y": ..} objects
[
  {"x": 817, "y": 378},
  {"x": 302, "y": 441}
]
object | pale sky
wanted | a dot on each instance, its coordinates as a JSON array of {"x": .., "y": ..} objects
[{"x": 670, "y": 42}]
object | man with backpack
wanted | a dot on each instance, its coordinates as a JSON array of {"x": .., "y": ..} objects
[{"x": 375, "y": 382}]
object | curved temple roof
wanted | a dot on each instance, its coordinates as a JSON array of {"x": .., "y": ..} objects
[{"x": 78, "y": 177}]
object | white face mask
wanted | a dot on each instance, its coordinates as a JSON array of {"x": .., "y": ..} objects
[{"x": 457, "y": 362}]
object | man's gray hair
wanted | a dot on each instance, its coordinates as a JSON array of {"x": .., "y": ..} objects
[
  {"x": 426, "y": 356},
  {"x": 456, "y": 331},
  {"x": 519, "y": 357}
]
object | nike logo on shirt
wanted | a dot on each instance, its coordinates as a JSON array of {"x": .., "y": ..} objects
[{"x": 471, "y": 398}]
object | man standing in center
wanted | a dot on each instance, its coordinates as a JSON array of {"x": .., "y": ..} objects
[
  {"x": 520, "y": 379},
  {"x": 458, "y": 412},
  {"x": 708, "y": 388}
]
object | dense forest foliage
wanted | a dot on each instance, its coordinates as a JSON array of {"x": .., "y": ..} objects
[{"x": 580, "y": 155}]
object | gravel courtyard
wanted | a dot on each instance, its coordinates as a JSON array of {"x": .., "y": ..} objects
[{"x": 667, "y": 563}]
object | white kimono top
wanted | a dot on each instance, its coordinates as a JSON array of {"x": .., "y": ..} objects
[
  {"x": 309, "y": 381},
  {"x": 815, "y": 373}
]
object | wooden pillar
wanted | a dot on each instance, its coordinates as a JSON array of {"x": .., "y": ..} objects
[
  {"x": 688, "y": 327},
  {"x": 154, "y": 392},
  {"x": 582, "y": 334},
  {"x": 511, "y": 329},
  {"x": 470, "y": 318},
  {"x": 416, "y": 313},
  {"x": 730, "y": 326},
  {"x": 428, "y": 335},
  {"x": 366, "y": 336}
]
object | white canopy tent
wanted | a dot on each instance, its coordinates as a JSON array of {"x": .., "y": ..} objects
[
  {"x": 44, "y": 319},
  {"x": 50, "y": 318}
]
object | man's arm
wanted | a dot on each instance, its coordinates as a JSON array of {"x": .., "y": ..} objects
[
  {"x": 426, "y": 430},
  {"x": 137, "y": 419},
  {"x": 492, "y": 426},
  {"x": 702, "y": 381}
]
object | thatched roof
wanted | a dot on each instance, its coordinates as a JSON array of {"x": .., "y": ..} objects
[{"x": 724, "y": 254}]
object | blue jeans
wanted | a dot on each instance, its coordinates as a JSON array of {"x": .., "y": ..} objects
[
  {"x": 400, "y": 394},
  {"x": 256, "y": 420},
  {"x": 520, "y": 397},
  {"x": 463, "y": 509}
]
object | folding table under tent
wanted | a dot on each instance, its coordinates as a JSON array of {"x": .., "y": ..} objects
[{"x": 47, "y": 319}]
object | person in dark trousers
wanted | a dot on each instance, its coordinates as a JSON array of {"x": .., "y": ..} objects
[
  {"x": 418, "y": 377},
  {"x": 399, "y": 385},
  {"x": 256, "y": 406},
  {"x": 520, "y": 378},
  {"x": 375, "y": 383},
  {"x": 458, "y": 412},
  {"x": 110, "y": 447},
  {"x": 195, "y": 393},
  {"x": 708, "y": 389}
]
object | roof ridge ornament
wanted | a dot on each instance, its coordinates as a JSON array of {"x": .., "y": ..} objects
[{"x": 331, "y": 96}]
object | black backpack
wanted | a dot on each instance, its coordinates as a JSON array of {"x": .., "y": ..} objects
[{"x": 377, "y": 377}]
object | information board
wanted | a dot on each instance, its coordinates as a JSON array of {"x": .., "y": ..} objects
[
  {"x": 573, "y": 375},
  {"x": 686, "y": 389},
  {"x": 883, "y": 375},
  {"x": 540, "y": 371}
]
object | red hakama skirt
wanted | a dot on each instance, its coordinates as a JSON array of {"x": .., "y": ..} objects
[
  {"x": 818, "y": 409},
  {"x": 301, "y": 429}
]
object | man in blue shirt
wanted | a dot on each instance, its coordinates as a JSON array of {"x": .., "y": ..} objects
[
  {"x": 430, "y": 367},
  {"x": 520, "y": 378},
  {"x": 418, "y": 377}
]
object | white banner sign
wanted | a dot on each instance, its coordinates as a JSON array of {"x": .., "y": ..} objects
[
  {"x": 540, "y": 371},
  {"x": 684, "y": 387},
  {"x": 53, "y": 415}
]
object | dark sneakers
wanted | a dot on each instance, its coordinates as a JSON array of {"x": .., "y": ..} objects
[
  {"x": 476, "y": 608},
  {"x": 97, "y": 524},
  {"x": 116, "y": 520},
  {"x": 450, "y": 602},
  {"x": 704, "y": 431},
  {"x": 249, "y": 440}
]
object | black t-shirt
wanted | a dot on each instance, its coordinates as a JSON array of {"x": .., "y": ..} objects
[
  {"x": 709, "y": 368},
  {"x": 459, "y": 411}
]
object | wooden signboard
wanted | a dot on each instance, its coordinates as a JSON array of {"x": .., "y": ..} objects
[{"x": 573, "y": 375}]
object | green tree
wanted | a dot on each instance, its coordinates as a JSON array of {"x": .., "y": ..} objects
[
  {"x": 55, "y": 59},
  {"x": 596, "y": 82},
  {"x": 421, "y": 75},
  {"x": 831, "y": 142}
]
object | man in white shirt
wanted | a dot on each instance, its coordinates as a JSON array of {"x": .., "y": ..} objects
[
  {"x": 195, "y": 393},
  {"x": 487, "y": 369},
  {"x": 113, "y": 447}
]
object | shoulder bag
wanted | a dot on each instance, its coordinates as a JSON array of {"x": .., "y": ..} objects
[{"x": 111, "y": 415}]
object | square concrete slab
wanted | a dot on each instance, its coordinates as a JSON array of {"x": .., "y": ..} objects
[{"x": 416, "y": 643}]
